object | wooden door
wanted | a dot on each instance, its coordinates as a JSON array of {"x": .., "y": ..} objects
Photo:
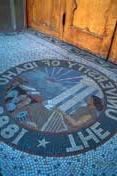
[
  {"x": 46, "y": 16},
  {"x": 90, "y": 24},
  {"x": 113, "y": 48}
]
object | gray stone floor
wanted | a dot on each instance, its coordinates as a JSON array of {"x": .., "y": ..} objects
[{"x": 30, "y": 45}]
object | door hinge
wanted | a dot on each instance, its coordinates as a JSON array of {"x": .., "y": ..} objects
[{"x": 64, "y": 19}]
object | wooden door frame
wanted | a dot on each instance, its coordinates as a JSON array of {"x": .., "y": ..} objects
[{"x": 113, "y": 37}]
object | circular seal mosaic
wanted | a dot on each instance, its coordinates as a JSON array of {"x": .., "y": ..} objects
[{"x": 56, "y": 108}]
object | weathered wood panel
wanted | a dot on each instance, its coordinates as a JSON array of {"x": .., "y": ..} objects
[
  {"x": 90, "y": 24},
  {"x": 46, "y": 16}
]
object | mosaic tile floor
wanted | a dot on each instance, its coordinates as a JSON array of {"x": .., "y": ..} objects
[{"x": 102, "y": 161}]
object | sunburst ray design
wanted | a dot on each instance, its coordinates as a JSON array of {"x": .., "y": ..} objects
[
  {"x": 71, "y": 78},
  {"x": 65, "y": 73},
  {"x": 46, "y": 71}
]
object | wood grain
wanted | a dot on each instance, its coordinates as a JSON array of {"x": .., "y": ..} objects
[
  {"x": 46, "y": 16},
  {"x": 90, "y": 24}
]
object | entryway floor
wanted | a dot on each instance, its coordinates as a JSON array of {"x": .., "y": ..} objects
[{"x": 42, "y": 75}]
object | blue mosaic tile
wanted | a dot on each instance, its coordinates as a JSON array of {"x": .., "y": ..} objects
[{"x": 24, "y": 47}]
